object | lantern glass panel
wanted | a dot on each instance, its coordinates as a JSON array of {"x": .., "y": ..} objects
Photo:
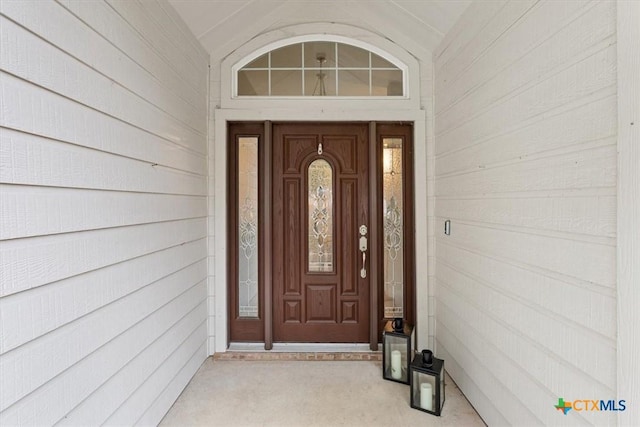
[
  {"x": 397, "y": 351},
  {"x": 424, "y": 391},
  {"x": 396, "y": 356},
  {"x": 427, "y": 385},
  {"x": 441, "y": 386}
]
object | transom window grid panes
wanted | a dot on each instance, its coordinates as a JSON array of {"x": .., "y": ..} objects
[
  {"x": 320, "y": 69},
  {"x": 248, "y": 227},
  {"x": 392, "y": 210},
  {"x": 320, "y": 221}
]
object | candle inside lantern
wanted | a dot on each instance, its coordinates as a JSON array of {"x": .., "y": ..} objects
[
  {"x": 426, "y": 396},
  {"x": 396, "y": 365}
]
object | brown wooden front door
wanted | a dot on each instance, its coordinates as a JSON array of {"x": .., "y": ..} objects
[{"x": 320, "y": 201}]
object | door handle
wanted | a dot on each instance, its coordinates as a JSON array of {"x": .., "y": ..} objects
[{"x": 363, "y": 250}]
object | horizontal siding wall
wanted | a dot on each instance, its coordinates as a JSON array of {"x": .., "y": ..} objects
[
  {"x": 525, "y": 158},
  {"x": 425, "y": 254},
  {"x": 103, "y": 211}
]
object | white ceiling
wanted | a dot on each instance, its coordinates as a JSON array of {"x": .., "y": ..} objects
[{"x": 224, "y": 25}]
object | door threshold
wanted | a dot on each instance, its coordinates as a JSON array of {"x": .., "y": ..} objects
[
  {"x": 299, "y": 351},
  {"x": 302, "y": 347}
]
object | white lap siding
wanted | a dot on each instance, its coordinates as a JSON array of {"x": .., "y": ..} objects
[
  {"x": 103, "y": 206},
  {"x": 525, "y": 158}
]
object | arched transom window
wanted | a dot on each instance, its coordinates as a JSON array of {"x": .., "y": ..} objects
[{"x": 320, "y": 68}]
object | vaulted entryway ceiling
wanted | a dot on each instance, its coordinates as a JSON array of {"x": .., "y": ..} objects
[{"x": 223, "y": 25}]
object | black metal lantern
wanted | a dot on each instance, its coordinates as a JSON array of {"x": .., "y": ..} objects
[
  {"x": 396, "y": 350},
  {"x": 427, "y": 383}
]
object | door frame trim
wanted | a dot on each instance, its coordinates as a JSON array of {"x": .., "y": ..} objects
[
  {"x": 374, "y": 236},
  {"x": 267, "y": 212},
  {"x": 218, "y": 193}
]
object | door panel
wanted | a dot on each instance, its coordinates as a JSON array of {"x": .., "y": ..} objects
[{"x": 318, "y": 292}]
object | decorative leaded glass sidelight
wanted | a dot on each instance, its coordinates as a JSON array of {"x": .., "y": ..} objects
[
  {"x": 320, "y": 222},
  {"x": 248, "y": 227},
  {"x": 392, "y": 206}
]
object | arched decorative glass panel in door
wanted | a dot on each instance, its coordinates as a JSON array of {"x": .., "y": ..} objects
[
  {"x": 320, "y": 216},
  {"x": 320, "y": 68}
]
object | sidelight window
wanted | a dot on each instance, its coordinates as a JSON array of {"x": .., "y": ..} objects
[
  {"x": 392, "y": 211},
  {"x": 247, "y": 227}
]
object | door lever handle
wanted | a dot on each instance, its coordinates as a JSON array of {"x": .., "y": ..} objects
[{"x": 363, "y": 249}]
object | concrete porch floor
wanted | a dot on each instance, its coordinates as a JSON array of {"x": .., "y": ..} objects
[{"x": 233, "y": 392}]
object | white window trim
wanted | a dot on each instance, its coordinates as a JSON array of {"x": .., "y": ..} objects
[
  {"x": 321, "y": 32},
  {"x": 320, "y": 38},
  {"x": 219, "y": 189}
]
